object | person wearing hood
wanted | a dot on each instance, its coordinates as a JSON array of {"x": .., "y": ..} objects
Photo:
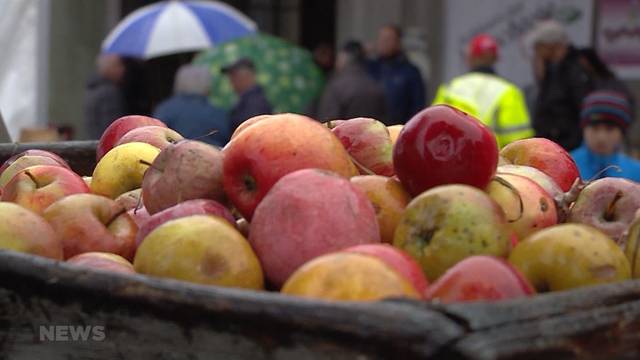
[
  {"x": 401, "y": 80},
  {"x": 563, "y": 82},
  {"x": 605, "y": 117},
  {"x": 104, "y": 101}
]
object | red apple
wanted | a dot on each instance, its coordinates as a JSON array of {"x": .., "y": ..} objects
[
  {"x": 119, "y": 128},
  {"x": 543, "y": 180},
  {"x": 398, "y": 260},
  {"x": 187, "y": 208},
  {"x": 24, "y": 231},
  {"x": 369, "y": 143},
  {"x": 273, "y": 147},
  {"x": 245, "y": 124},
  {"x": 103, "y": 261},
  {"x": 139, "y": 215},
  {"x": 158, "y": 136},
  {"x": 528, "y": 206},
  {"x": 37, "y": 187},
  {"x": 546, "y": 156},
  {"x": 306, "y": 214},
  {"x": 22, "y": 163},
  {"x": 34, "y": 152},
  {"x": 480, "y": 278},
  {"x": 88, "y": 222},
  {"x": 183, "y": 171},
  {"x": 609, "y": 205},
  {"x": 443, "y": 145}
]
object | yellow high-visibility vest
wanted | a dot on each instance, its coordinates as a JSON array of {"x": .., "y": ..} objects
[{"x": 496, "y": 102}]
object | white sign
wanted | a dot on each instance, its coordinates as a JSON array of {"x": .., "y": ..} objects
[
  {"x": 509, "y": 21},
  {"x": 618, "y": 36}
]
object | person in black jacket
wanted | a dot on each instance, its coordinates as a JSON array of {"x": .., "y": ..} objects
[
  {"x": 401, "y": 80},
  {"x": 562, "y": 85},
  {"x": 351, "y": 92},
  {"x": 252, "y": 99}
]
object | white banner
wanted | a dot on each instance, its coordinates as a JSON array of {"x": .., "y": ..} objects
[
  {"x": 23, "y": 63},
  {"x": 509, "y": 21},
  {"x": 618, "y": 36}
]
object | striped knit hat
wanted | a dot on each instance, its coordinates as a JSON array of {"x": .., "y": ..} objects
[{"x": 606, "y": 106}]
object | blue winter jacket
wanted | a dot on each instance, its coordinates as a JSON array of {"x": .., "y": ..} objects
[
  {"x": 403, "y": 86},
  {"x": 591, "y": 164}
]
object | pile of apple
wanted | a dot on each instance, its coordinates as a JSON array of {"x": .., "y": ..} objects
[{"x": 347, "y": 210}]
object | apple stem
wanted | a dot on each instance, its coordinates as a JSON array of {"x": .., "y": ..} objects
[
  {"x": 599, "y": 174},
  {"x": 361, "y": 167},
  {"x": 330, "y": 124},
  {"x": 236, "y": 214},
  {"x": 30, "y": 175},
  {"x": 609, "y": 214},
  {"x": 138, "y": 205},
  {"x": 145, "y": 162},
  {"x": 210, "y": 133},
  {"x": 565, "y": 200},
  {"x": 508, "y": 185}
]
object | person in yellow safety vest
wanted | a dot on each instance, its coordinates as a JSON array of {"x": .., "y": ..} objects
[{"x": 493, "y": 100}]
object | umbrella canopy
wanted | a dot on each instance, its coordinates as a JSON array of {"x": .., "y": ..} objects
[
  {"x": 287, "y": 73},
  {"x": 171, "y": 27}
]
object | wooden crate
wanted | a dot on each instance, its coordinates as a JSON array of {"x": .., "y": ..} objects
[
  {"x": 81, "y": 155},
  {"x": 150, "y": 318}
]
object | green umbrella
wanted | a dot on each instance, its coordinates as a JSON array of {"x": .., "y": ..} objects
[{"x": 286, "y": 72}]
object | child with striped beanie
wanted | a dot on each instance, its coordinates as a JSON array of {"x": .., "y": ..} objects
[{"x": 605, "y": 117}]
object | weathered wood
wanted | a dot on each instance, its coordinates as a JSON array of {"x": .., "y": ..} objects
[
  {"x": 81, "y": 155},
  {"x": 162, "y": 319},
  {"x": 599, "y": 322}
]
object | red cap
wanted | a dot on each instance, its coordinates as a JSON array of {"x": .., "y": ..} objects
[{"x": 483, "y": 44}]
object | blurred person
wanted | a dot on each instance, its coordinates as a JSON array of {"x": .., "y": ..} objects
[
  {"x": 324, "y": 57},
  {"x": 605, "y": 117},
  {"x": 495, "y": 101},
  {"x": 252, "y": 100},
  {"x": 562, "y": 85},
  {"x": 605, "y": 79},
  {"x": 402, "y": 81},
  {"x": 104, "y": 101},
  {"x": 189, "y": 112},
  {"x": 351, "y": 92}
]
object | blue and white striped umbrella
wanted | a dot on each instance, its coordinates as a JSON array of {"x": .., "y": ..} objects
[{"x": 172, "y": 27}]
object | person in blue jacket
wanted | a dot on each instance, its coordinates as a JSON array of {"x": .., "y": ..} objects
[
  {"x": 189, "y": 111},
  {"x": 605, "y": 116},
  {"x": 401, "y": 80}
]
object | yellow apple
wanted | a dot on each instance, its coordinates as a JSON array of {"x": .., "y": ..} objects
[
  {"x": 122, "y": 169},
  {"x": 348, "y": 277},
  {"x": 201, "y": 249},
  {"x": 568, "y": 256}
]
